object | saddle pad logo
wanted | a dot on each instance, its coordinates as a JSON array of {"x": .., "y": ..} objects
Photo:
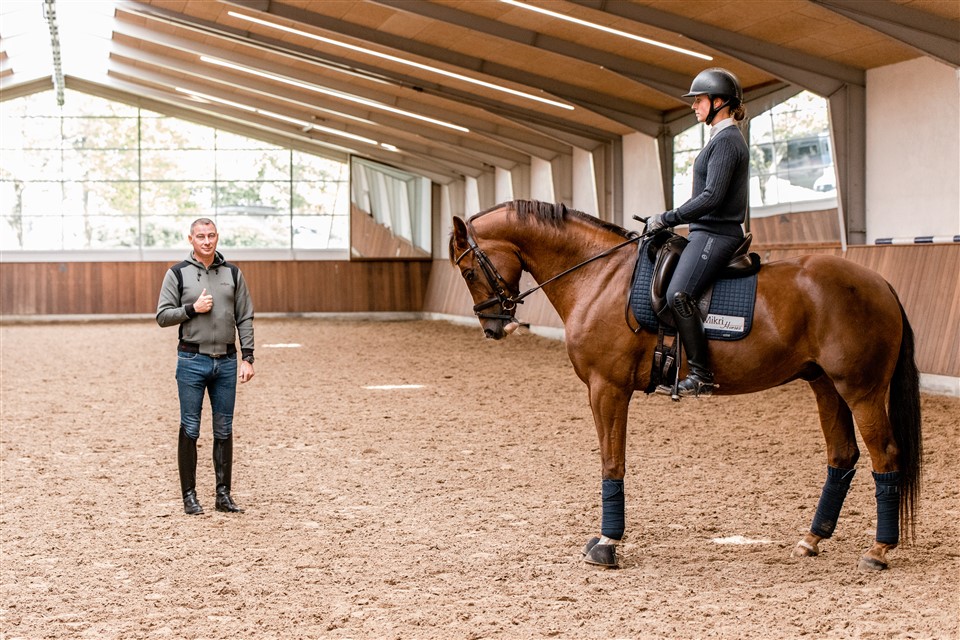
[{"x": 724, "y": 323}]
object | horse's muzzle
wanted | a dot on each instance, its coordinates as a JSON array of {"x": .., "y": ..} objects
[
  {"x": 494, "y": 334},
  {"x": 501, "y": 329}
]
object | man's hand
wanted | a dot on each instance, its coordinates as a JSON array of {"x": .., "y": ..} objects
[
  {"x": 246, "y": 371},
  {"x": 204, "y": 303}
]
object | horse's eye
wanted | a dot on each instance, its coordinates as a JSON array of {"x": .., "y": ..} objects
[{"x": 469, "y": 275}]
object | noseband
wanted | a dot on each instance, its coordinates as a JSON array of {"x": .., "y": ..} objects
[{"x": 508, "y": 302}]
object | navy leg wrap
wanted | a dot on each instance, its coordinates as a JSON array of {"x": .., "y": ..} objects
[
  {"x": 831, "y": 501},
  {"x": 612, "y": 522},
  {"x": 888, "y": 506}
]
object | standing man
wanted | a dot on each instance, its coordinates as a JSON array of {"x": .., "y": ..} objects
[{"x": 207, "y": 297}]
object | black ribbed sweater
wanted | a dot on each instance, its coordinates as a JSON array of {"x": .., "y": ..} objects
[{"x": 721, "y": 187}]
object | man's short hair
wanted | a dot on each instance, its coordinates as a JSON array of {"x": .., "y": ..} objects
[{"x": 194, "y": 224}]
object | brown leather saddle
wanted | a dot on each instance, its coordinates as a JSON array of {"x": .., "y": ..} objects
[{"x": 665, "y": 249}]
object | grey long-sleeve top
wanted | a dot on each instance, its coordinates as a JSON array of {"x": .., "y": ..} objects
[{"x": 232, "y": 312}]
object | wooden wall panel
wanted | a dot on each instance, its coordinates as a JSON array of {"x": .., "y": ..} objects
[
  {"x": 791, "y": 228},
  {"x": 926, "y": 278},
  {"x": 44, "y": 288},
  {"x": 120, "y": 288},
  {"x": 446, "y": 292}
]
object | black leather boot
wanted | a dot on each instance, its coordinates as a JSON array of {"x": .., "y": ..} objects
[
  {"x": 223, "y": 467},
  {"x": 187, "y": 463},
  {"x": 699, "y": 380}
]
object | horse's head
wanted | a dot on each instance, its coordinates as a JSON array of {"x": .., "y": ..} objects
[{"x": 492, "y": 274}]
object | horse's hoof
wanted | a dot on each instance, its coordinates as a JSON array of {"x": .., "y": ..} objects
[
  {"x": 602, "y": 555},
  {"x": 591, "y": 543},
  {"x": 805, "y": 550},
  {"x": 871, "y": 564}
]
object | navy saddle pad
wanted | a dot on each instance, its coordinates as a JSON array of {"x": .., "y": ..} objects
[{"x": 730, "y": 316}]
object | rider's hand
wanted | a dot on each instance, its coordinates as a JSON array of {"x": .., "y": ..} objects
[{"x": 654, "y": 224}]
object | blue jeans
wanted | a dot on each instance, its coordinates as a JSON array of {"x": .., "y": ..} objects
[{"x": 197, "y": 373}]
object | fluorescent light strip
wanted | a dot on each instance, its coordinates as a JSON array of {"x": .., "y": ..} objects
[
  {"x": 317, "y": 127},
  {"x": 203, "y": 96},
  {"x": 331, "y": 92},
  {"x": 411, "y": 63},
  {"x": 611, "y": 30},
  {"x": 279, "y": 116}
]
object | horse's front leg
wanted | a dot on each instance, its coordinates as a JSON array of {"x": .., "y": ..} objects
[{"x": 609, "y": 403}]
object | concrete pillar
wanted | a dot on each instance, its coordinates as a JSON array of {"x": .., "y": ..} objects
[
  {"x": 848, "y": 133},
  {"x": 584, "y": 181},
  {"x": 541, "y": 180},
  {"x": 643, "y": 185}
]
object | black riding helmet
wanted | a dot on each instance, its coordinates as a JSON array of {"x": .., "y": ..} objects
[{"x": 717, "y": 83}]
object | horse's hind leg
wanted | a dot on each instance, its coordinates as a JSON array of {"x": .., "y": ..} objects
[
  {"x": 877, "y": 433},
  {"x": 836, "y": 421}
]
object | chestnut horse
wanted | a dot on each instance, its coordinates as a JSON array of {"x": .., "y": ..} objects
[{"x": 820, "y": 318}]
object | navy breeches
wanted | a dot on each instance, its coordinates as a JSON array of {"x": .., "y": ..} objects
[{"x": 704, "y": 257}]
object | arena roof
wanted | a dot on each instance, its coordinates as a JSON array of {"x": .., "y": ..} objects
[{"x": 450, "y": 88}]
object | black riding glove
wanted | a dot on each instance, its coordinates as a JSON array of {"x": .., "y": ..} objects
[{"x": 655, "y": 223}]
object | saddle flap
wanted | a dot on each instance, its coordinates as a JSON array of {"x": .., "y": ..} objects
[{"x": 667, "y": 257}]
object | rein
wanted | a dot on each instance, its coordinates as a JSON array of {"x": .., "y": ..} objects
[{"x": 508, "y": 303}]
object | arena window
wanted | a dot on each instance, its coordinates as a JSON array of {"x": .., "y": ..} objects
[{"x": 96, "y": 179}]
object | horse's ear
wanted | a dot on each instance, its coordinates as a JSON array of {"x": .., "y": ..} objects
[
  {"x": 458, "y": 239},
  {"x": 459, "y": 228}
]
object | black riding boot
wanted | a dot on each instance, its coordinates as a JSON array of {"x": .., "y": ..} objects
[
  {"x": 187, "y": 463},
  {"x": 699, "y": 381},
  {"x": 223, "y": 467}
]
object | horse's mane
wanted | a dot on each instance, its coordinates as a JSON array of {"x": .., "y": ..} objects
[{"x": 552, "y": 214}]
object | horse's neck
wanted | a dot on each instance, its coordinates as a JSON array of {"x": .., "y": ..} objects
[{"x": 548, "y": 252}]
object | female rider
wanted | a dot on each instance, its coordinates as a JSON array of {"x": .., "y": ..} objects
[{"x": 715, "y": 215}]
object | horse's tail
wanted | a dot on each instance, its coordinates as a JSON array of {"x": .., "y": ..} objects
[{"x": 904, "y": 411}]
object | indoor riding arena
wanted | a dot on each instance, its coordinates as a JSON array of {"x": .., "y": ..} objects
[{"x": 424, "y": 450}]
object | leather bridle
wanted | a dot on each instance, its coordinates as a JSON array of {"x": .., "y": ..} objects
[{"x": 508, "y": 302}]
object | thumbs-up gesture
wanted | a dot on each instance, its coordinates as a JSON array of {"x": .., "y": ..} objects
[{"x": 204, "y": 303}]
